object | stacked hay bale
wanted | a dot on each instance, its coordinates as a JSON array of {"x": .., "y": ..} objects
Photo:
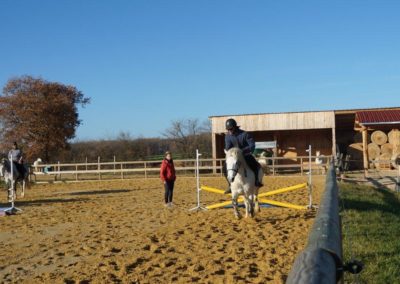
[
  {"x": 378, "y": 139},
  {"x": 383, "y": 149},
  {"x": 394, "y": 141}
]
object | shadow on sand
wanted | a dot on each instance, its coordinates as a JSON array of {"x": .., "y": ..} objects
[{"x": 100, "y": 191}]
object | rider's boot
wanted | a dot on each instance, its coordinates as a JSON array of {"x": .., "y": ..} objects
[{"x": 258, "y": 183}]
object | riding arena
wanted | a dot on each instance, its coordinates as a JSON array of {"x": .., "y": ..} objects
[{"x": 106, "y": 222}]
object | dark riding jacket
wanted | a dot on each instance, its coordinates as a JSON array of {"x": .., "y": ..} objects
[{"x": 241, "y": 139}]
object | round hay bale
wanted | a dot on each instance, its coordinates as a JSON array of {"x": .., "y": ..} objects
[
  {"x": 395, "y": 161},
  {"x": 290, "y": 155},
  {"x": 384, "y": 161},
  {"x": 373, "y": 151},
  {"x": 394, "y": 137},
  {"x": 379, "y": 137},
  {"x": 396, "y": 150},
  {"x": 358, "y": 137},
  {"x": 387, "y": 148}
]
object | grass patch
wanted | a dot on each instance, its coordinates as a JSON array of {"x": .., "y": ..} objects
[{"x": 371, "y": 232}]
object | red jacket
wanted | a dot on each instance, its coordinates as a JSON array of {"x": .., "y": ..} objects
[{"x": 167, "y": 171}]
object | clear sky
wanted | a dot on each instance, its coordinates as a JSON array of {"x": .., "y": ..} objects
[{"x": 145, "y": 63}]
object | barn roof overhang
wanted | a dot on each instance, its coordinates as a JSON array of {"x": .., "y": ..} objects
[{"x": 377, "y": 118}]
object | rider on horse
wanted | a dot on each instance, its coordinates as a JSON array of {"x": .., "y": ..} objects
[
  {"x": 16, "y": 155},
  {"x": 239, "y": 138}
]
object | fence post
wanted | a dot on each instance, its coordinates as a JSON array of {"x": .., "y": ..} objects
[
  {"x": 98, "y": 166},
  {"x": 301, "y": 168},
  {"x": 114, "y": 164},
  {"x": 145, "y": 170},
  {"x": 86, "y": 163},
  {"x": 76, "y": 172},
  {"x": 273, "y": 166},
  {"x": 59, "y": 171},
  {"x": 122, "y": 171}
]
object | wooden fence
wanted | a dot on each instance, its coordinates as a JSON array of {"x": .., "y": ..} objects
[
  {"x": 321, "y": 260},
  {"x": 146, "y": 169}
]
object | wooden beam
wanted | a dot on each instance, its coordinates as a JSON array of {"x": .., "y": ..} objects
[
  {"x": 334, "y": 142},
  {"x": 365, "y": 149},
  {"x": 214, "y": 151}
]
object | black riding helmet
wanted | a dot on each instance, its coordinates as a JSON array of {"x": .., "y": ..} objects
[{"x": 230, "y": 124}]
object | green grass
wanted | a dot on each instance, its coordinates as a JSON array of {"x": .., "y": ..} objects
[{"x": 371, "y": 232}]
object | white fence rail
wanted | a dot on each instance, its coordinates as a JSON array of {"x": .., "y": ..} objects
[{"x": 146, "y": 169}]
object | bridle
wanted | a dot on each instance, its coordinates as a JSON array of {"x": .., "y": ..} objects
[{"x": 235, "y": 168}]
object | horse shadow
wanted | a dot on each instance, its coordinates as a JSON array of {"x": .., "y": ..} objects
[
  {"x": 99, "y": 192},
  {"x": 39, "y": 202}
]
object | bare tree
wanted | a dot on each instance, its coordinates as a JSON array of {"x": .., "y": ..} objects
[{"x": 189, "y": 135}]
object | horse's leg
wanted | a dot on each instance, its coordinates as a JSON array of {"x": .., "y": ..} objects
[
  {"x": 23, "y": 188},
  {"x": 250, "y": 204},
  {"x": 9, "y": 192},
  {"x": 256, "y": 204},
  {"x": 15, "y": 189},
  {"x": 247, "y": 204},
  {"x": 235, "y": 196}
]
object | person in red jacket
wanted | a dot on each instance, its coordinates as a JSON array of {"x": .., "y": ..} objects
[{"x": 168, "y": 177}]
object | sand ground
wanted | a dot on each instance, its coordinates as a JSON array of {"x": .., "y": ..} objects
[{"x": 120, "y": 232}]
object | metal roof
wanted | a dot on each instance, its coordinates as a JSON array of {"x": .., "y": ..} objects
[
  {"x": 378, "y": 117},
  {"x": 339, "y": 111}
]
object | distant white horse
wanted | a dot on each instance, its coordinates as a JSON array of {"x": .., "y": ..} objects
[
  {"x": 12, "y": 180},
  {"x": 242, "y": 180}
]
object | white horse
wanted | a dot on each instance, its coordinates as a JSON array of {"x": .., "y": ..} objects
[
  {"x": 242, "y": 180},
  {"x": 12, "y": 180}
]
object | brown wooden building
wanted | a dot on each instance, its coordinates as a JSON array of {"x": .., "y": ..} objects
[{"x": 327, "y": 131}]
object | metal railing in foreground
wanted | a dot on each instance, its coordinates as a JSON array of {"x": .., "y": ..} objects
[{"x": 321, "y": 261}]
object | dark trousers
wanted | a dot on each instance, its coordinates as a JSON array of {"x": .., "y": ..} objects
[
  {"x": 253, "y": 164},
  {"x": 169, "y": 190},
  {"x": 20, "y": 169}
]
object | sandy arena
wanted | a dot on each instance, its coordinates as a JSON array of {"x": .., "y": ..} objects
[{"x": 120, "y": 232}]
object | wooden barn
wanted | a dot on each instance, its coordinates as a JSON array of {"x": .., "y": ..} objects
[{"x": 328, "y": 132}]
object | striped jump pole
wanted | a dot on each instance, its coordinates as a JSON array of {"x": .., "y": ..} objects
[{"x": 197, "y": 172}]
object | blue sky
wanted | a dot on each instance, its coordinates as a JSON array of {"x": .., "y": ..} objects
[{"x": 146, "y": 63}]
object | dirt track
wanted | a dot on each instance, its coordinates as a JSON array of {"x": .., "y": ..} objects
[{"x": 119, "y": 231}]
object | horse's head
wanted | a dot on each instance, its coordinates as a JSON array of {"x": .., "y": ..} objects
[{"x": 234, "y": 158}]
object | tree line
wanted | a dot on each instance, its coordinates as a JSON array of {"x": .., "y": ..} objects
[{"x": 42, "y": 117}]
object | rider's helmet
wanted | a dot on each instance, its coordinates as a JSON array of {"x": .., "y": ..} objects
[{"x": 230, "y": 124}]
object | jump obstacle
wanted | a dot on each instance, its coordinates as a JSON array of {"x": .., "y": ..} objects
[
  {"x": 261, "y": 196},
  {"x": 12, "y": 209}
]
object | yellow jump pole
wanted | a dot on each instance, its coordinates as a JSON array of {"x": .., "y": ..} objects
[
  {"x": 283, "y": 204},
  {"x": 260, "y": 196},
  {"x": 282, "y": 190},
  {"x": 212, "y": 189}
]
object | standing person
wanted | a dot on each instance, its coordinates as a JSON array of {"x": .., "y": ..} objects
[
  {"x": 16, "y": 155},
  {"x": 168, "y": 177},
  {"x": 237, "y": 137}
]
